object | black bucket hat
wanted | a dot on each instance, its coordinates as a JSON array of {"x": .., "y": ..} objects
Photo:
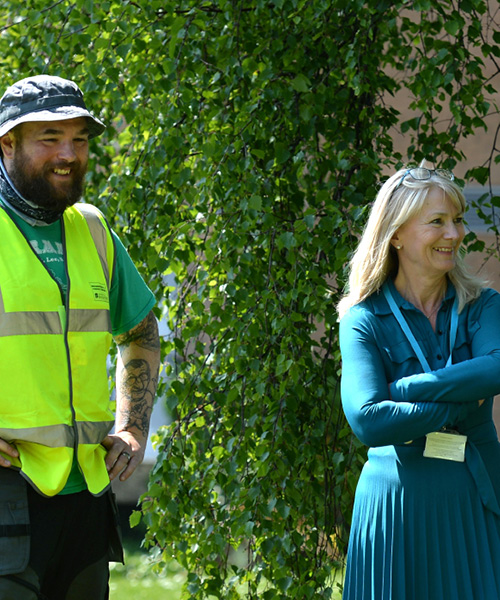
[{"x": 44, "y": 98}]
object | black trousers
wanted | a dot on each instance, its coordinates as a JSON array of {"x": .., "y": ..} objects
[{"x": 69, "y": 539}]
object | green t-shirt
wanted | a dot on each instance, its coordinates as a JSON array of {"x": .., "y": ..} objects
[{"x": 130, "y": 299}]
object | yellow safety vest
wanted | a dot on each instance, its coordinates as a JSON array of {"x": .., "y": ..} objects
[{"x": 54, "y": 396}]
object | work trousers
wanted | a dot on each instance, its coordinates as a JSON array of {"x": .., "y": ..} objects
[{"x": 58, "y": 548}]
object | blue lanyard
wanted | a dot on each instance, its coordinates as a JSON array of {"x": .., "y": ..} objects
[{"x": 411, "y": 338}]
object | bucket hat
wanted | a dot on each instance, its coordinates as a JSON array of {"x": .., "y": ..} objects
[{"x": 44, "y": 98}]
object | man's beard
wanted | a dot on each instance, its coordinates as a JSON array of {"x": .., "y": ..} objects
[{"x": 35, "y": 187}]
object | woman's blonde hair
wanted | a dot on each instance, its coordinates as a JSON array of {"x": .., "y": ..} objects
[{"x": 375, "y": 259}]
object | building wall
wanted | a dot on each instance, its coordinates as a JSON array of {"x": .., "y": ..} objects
[{"x": 490, "y": 270}]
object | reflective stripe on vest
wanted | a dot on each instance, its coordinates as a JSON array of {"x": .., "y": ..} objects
[
  {"x": 55, "y": 393},
  {"x": 55, "y": 436},
  {"x": 29, "y": 323}
]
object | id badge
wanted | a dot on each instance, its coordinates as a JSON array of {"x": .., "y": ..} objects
[{"x": 447, "y": 446}]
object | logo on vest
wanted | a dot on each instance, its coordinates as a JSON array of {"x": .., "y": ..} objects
[{"x": 99, "y": 292}]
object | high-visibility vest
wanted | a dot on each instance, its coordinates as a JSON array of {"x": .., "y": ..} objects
[{"x": 54, "y": 395}]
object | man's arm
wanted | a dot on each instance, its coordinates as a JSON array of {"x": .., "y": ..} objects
[{"x": 136, "y": 381}]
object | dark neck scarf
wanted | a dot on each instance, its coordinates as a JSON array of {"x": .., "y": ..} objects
[{"x": 36, "y": 213}]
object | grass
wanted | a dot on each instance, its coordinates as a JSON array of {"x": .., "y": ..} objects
[{"x": 136, "y": 580}]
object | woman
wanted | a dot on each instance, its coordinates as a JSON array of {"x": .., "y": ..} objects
[{"x": 426, "y": 519}]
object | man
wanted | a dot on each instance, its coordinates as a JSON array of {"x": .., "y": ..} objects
[{"x": 67, "y": 286}]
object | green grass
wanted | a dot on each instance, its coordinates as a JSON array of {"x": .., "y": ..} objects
[{"x": 136, "y": 581}]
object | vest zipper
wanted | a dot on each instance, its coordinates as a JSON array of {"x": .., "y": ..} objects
[{"x": 65, "y": 329}]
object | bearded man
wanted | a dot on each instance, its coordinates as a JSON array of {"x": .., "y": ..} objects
[{"x": 67, "y": 288}]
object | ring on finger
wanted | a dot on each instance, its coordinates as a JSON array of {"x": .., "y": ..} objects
[{"x": 127, "y": 455}]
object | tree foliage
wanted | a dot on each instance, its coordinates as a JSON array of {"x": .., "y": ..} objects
[{"x": 245, "y": 142}]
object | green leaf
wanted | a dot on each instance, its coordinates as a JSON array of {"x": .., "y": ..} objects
[
  {"x": 301, "y": 83},
  {"x": 287, "y": 240},
  {"x": 255, "y": 202},
  {"x": 282, "y": 152},
  {"x": 176, "y": 31},
  {"x": 452, "y": 27},
  {"x": 135, "y": 518},
  {"x": 284, "y": 583}
]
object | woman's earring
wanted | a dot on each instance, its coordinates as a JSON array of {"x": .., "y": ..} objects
[{"x": 398, "y": 247}]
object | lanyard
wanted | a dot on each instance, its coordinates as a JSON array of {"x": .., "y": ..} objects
[{"x": 411, "y": 338}]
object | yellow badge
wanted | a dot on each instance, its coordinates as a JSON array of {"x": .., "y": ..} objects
[{"x": 445, "y": 445}]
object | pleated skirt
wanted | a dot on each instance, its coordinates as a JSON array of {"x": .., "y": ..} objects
[{"x": 420, "y": 532}]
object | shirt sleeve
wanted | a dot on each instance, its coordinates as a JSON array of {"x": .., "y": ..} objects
[
  {"x": 375, "y": 418},
  {"x": 467, "y": 381},
  {"x": 130, "y": 298}
]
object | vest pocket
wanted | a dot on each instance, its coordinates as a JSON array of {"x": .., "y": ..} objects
[{"x": 14, "y": 523}]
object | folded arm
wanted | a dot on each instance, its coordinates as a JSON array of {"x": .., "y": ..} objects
[
  {"x": 376, "y": 418},
  {"x": 467, "y": 381}
]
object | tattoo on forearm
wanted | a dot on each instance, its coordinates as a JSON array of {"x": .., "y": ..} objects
[
  {"x": 138, "y": 389},
  {"x": 130, "y": 420},
  {"x": 145, "y": 334}
]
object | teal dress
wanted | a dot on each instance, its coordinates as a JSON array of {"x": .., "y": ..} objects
[{"x": 423, "y": 528}]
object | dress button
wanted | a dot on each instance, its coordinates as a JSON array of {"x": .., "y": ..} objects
[
  {"x": 440, "y": 332},
  {"x": 439, "y": 357}
]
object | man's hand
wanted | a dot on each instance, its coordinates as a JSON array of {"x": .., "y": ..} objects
[
  {"x": 6, "y": 448},
  {"x": 125, "y": 454}
]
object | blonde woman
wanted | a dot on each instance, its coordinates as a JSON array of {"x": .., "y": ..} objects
[{"x": 420, "y": 343}]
